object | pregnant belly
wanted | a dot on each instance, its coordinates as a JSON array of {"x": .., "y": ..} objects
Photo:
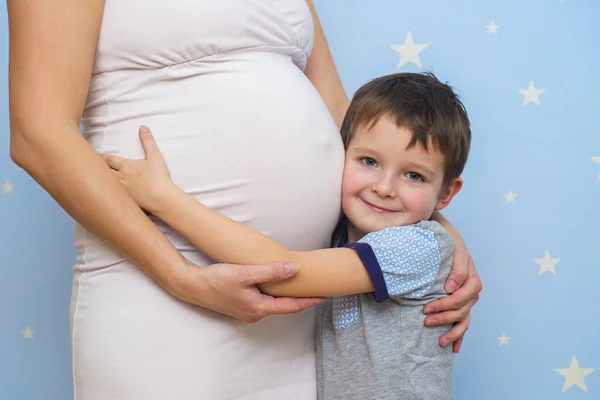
[{"x": 246, "y": 134}]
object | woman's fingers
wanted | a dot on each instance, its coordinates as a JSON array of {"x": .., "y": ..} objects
[
  {"x": 254, "y": 275},
  {"x": 455, "y": 334},
  {"x": 229, "y": 289},
  {"x": 460, "y": 270},
  {"x": 287, "y": 305},
  {"x": 451, "y": 316},
  {"x": 468, "y": 292},
  {"x": 457, "y": 344}
]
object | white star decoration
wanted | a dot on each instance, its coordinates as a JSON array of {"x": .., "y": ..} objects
[
  {"x": 7, "y": 187},
  {"x": 510, "y": 197},
  {"x": 596, "y": 159},
  {"x": 532, "y": 95},
  {"x": 28, "y": 333},
  {"x": 409, "y": 51},
  {"x": 503, "y": 339},
  {"x": 492, "y": 27},
  {"x": 574, "y": 375},
  {"x": 547, "y": 263}
]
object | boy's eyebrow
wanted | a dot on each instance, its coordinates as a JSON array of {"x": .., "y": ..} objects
[{"x": 363, "y": 150}]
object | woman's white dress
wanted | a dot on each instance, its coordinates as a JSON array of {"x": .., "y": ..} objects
[{"x": 221, "y": 85}]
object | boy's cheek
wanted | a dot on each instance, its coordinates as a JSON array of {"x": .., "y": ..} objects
[
  {"x": 351, "y": 183},
  {"x": 422, "y": 201}
]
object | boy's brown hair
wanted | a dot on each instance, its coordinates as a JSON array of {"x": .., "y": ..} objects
[{"x": 428, "y": 108}]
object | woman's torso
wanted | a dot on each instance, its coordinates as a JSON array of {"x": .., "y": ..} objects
[{"x": 220, "y": 84}]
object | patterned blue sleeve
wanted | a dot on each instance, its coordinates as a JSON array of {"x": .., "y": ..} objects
[{"x": 402, "y": 261}]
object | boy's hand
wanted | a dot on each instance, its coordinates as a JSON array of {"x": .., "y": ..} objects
[{"x": 146, "y": 180}]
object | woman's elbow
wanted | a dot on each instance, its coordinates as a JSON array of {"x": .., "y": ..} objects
[
  {"x": 31, "y": 141},
  {"x": 18, "y": 147},
  {"x": 24, "y": 147}
]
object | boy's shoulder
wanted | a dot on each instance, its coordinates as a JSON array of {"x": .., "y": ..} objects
[
  {"x": 420, "y": 231},
  {"x": 413, "y": 260},
  {"x": 396, "y": 235}
]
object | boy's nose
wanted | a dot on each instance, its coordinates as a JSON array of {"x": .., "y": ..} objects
[{"x": 384, "y": 187}]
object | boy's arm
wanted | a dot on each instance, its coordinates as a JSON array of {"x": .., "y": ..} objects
[{"x": 327, "y": 272}]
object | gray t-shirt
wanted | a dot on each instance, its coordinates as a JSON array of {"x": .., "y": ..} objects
[{"x": 375, "y": 346}]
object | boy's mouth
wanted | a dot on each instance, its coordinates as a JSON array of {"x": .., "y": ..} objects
[{"x": 378, "y": 209}]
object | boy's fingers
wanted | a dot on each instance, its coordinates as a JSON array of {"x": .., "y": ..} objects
[
  {"x": 115, "y": 162},
  {"x": 148, "y": 143}
]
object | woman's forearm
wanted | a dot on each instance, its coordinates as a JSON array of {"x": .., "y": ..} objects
[
  {"x": 458, "y": 240},
  {"x": 66, "y": 166}
]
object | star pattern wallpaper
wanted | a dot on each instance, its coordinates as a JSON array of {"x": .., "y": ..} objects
[{"x": 527, "y": 72}]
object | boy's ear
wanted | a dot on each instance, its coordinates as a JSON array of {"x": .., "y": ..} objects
[{"x": 451, "y": 191}]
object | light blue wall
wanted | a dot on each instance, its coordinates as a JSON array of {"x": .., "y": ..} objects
[{"x": 543, "y": 153}]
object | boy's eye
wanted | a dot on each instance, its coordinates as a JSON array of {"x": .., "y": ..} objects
[
  {"x": 369, "y": 162},
  {"x": 413, "y": 176}
]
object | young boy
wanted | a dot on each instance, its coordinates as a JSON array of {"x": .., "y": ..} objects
[{"x": 407, "y": 138}]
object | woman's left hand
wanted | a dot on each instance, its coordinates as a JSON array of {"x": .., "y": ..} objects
[
  {"x": 464, "y": 285},
  {"x": 146, "y": 180}
]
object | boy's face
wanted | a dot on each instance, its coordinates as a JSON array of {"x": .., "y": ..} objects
[{"x": 385, "y": 184}]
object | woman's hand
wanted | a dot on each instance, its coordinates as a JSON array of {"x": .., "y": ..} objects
[
  {"x": 464, "y": 285},
  {"x": 231, "y": 289},
  {"x": 145, "y": 180}
]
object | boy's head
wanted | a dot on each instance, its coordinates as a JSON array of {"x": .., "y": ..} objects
[{"x": 407, "y": 138}]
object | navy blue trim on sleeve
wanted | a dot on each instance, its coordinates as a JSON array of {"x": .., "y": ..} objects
[{"x": 367, "y": 256}]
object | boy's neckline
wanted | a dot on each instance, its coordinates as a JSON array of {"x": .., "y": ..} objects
[{"x": 343, "y": 231}]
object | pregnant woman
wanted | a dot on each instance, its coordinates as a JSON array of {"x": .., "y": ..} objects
[{"x": 241, "y": 95}]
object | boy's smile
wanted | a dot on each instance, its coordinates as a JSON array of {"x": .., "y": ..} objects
[
  {"x": 377, "y": 209},
  {"x": 387, "y": 184}
]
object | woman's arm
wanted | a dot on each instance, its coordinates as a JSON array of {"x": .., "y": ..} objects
[
  {"x": 458, "y": 277},
  {"x": 458, "y": 240},
  {"x": 52, "y": 46},
  {"x": 321, "y": 71},
  {"x": 464, "y": 284}
]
